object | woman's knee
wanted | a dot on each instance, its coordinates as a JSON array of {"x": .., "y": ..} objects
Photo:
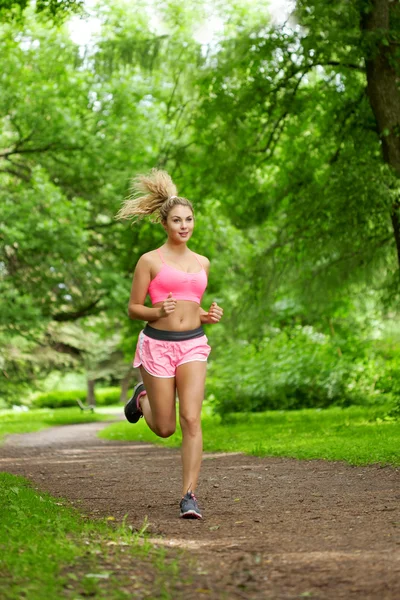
[
  {"x": 190, "y": 424},
  {"x": 164, "y": 430}
]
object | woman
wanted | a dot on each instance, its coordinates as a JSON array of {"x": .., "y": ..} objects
[{"x": 172, "y": 349}]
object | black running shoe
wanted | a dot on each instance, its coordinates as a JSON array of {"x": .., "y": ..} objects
[
  {"x": 189, "y": 507},
  {"x": 132, "y": 409}
]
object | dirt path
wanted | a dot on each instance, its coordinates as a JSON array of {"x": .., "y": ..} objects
[{"x": 275, "y": 529}]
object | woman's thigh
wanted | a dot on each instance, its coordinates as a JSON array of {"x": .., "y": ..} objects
[
  {"x": 161, "y": 394},
  {"x": 190, "y": 382}
]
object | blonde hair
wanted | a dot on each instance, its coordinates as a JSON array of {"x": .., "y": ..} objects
[{"x": 154, "y": 193}]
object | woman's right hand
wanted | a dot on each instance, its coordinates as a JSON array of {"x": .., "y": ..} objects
[{"x": 168, "y": 306}]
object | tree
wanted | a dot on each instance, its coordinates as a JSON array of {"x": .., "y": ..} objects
[
  {"x": 380, "y": 22},
  {"x": 66, "y": 155},
  {"x": 75, "y": 128},
  {"x": 273, "y": 131},
  {"x": 288, "y": 121},
  {"x": 53, "y": 9}
]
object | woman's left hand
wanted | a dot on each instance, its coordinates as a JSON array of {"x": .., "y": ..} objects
[{"x": 214, "y": 314}]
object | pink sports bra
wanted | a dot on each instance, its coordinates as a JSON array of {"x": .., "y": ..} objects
[{"x": 184, "y": 286}]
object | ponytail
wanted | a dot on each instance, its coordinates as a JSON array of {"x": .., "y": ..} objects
[{"x": 149, "y": 194}]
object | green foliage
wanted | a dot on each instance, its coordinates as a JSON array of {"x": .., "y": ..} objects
[
  {"x": 269, "y": 129},
  {"x": 108, "y": 396},
  {"x": 289, "y": 140},
  {"x": 299, "y": 356},
  {"x": 59, "y": 239},
  {"x": 24, "y": 361},
  {"x": 299, "y": 368},
  {"x": 389, "y": 376},
  {"x": 59, "y": 399},
  {"x": 66, "y": 157},
  {"x": 56, "y": 10}
]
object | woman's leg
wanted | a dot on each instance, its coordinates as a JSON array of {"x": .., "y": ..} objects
[
  {"x": 158, "y": 405},
  {"x": 190, "y": 381}
]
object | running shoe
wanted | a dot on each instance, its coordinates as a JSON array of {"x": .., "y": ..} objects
[
  {"x": 132, "y": 409},
  {"x": 189, "y": 507}
]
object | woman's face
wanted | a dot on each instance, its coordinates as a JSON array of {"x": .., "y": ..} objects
[{"x": 180, "y": 223}]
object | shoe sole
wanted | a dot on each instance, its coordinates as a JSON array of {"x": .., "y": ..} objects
[
  {"x": 190, "y": 514},
  {"x": 137, "y": 414},
  {"x": 132, "y": 418}
]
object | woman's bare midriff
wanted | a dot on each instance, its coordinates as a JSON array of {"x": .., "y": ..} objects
[{"x": 185, "y": 317}]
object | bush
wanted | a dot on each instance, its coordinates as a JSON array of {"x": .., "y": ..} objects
[
  {"x": 290, "y": 370},
  {"x": 63, "y": 399},
  {"x": 108, "y": 396},
  {"x": 57, "y": 399}
]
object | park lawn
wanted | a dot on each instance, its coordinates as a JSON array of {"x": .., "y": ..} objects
[
  {"x": 33, "y": 420},
  {"x": 48, "y": 550},
  {"x": 358, "y": 435}
]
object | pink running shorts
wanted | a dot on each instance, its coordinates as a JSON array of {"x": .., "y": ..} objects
[{"x": 160, "y": 358}]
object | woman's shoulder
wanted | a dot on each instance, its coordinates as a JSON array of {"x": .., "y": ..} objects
[
  {"x": 203, "y": 260},
  {"x": 149, "y": 259}
]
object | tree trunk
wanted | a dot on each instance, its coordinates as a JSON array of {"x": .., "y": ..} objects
[
  {"x": 125, "y": 385},
  {"x": 383, "y": 78},
  {"x": 90, "y": 398}
]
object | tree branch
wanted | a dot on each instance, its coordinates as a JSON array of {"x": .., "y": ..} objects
[
  {"x": 280, "y": 123},
  {"x": 82, "y": 312},
  {"x": 346, "y": 257},
  {"x": 95, "y": 226},
  {"x": 52, "y": 146},
  {"x": 348, "y": 115},
  {"x": 336, "y": 63},
  {"x": 65, "y": 348},
  {"x": 16, "y": 173}
]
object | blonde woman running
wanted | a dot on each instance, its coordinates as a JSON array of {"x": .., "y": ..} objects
[{"x": 172, "y": 349}]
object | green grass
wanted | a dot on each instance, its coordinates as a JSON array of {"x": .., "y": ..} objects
[
  {"x": 357, "y": 435},
  {"x": 48, "y": 550},
  {"x": 33, "y": 420}
]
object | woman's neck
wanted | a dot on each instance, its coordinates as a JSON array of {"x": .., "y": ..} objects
[{"x": 180, "y": 249}]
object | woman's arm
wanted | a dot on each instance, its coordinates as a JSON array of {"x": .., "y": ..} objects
[
  {"x": 203, "y": 315},
  {"x": 140, "y": 286},
  {"x": 215, "y": 312},
  {"x": 214, "y": 315}
]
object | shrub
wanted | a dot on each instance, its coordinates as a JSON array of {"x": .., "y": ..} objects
[
  {"x": 58, "y": 399},
  {"x": 290, "y": 370},
  {"x": 108, "y": 396},
  {"x": 63, "y": 399}
]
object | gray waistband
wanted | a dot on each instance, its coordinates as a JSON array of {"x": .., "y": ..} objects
[{"x": 172, "y": 336}]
